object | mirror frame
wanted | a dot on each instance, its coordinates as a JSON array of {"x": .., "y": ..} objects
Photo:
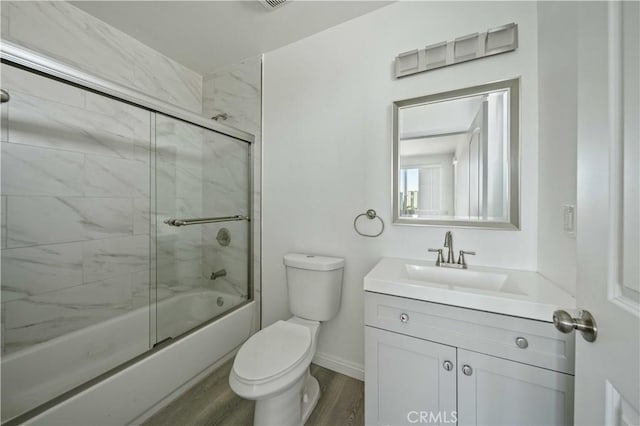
[{"x": 513, "y": 222}]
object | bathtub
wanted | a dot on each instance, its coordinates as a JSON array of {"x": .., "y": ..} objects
[{"x": 35, "y": 375}]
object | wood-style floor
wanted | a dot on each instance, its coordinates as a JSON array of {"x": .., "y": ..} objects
[{"x": 212, "y": 402}]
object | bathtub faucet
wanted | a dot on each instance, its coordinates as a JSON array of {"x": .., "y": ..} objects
[{"x": 218, "y": 274}]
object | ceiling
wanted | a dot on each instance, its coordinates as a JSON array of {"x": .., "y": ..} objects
[
  {"x": 207, "y": 35},
  {"x": 435, "y": 145},
  {"x": 439, "y": 118}
]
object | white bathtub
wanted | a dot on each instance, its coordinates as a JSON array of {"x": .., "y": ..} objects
[{"x": 37, "y": 374}]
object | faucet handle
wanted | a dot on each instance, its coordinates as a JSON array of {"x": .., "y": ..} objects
[
  {"x": 440, "y": 256},
  {"x": 461, "y": 260}
]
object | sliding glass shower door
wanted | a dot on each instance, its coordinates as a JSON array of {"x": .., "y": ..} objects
[
  {"x": 202, "y": 268},
  {"x": 76, "y": 170},
  {"x": 101, "y": 260}
]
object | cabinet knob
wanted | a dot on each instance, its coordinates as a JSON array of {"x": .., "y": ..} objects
[
  {"x": 467, "y": 370},
  {"x": 522, "y": 343},
  {"x": 448, "y": 365},
  {"x": 404, "y": 317}
]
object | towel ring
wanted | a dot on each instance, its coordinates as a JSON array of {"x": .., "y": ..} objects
[{"x": 370, "y": 214}]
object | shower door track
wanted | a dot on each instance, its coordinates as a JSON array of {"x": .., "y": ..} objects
[{"x": 25, "y": 58}]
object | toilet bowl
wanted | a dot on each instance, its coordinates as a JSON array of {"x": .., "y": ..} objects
[{"x": 272, "y": 367}]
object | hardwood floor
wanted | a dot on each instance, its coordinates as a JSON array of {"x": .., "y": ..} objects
[{"x": 212, "y": 402}]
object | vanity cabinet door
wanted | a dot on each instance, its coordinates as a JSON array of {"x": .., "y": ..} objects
[
  {"x": 408, "y": 380},
  {"x": 494, "y": 391}
]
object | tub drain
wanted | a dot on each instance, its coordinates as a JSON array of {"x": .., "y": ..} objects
[{"x": 220, "y": 301}]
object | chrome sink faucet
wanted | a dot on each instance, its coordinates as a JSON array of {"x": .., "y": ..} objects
[
  {"x": 450, "y": 263},
  {"x": 448, "y": 243}
]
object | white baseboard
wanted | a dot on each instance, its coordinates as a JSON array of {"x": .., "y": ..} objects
[{"x": 339, "y": 365}]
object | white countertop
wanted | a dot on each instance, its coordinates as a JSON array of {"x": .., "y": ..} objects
[{"x": 524, "y": 294}]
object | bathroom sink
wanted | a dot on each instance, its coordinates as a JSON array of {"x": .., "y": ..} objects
[
  {"x": 519, "y": 293},
  {"x": 457, "y": 278}
]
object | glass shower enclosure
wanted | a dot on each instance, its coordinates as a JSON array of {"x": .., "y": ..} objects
[{"x": 122, "y": 228}]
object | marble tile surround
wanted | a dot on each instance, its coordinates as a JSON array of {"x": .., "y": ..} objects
[
  {"x": 99, "y": 191},
  {"x": 236, "y": 90},
  {"x": 225, "y": 182},
  {"x": 75, "y": 209},
  {"x": 99, "y": 49},
  {"x": 199, "y": 174},
  {"x": 178, "y": 194}
]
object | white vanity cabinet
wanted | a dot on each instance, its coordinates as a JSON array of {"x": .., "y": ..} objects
[
  {"x": 428, "y": 363},
  {"x": 404, "y": 375}
]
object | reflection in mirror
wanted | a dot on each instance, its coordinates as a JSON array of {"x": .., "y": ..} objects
[{"x": 456, "y": 157}]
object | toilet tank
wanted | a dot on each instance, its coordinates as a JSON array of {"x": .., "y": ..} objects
[{"x": 315, "y": 285}]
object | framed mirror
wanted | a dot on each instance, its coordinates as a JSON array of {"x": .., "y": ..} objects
[{"x": 456, "y": 158}]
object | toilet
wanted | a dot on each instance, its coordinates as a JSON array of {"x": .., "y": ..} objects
[{"x": 272, "y": 367}]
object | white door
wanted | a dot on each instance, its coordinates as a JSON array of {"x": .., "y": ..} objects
[
  {"x": 607, "y": 383},
  {"x": 498, "y": 392}
]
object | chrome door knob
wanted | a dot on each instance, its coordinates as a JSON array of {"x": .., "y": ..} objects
[
  {"x": 404, "y": 317},
  {"x": 448, "y": 365},
  {"x": 467, "y": 370},
  {"x": 586, "y": 324}
]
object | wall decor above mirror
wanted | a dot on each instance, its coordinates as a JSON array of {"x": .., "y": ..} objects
[
  {"x": 456, "y": 158},
  {"x": 466, "y": 48}
]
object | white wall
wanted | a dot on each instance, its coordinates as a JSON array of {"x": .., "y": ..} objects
[
  {"x": 557, "y": 69},
  {"x": 66, "y": 33},
  {"x": 327, "y": 148},
  {"x": 496, "y": 151},
  {"x": 462, "y": 170}
]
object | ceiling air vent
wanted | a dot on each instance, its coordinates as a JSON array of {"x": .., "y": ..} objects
[{"x": 273, "y": 4}]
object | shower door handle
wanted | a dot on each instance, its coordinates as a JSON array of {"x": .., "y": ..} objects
[{"x": 202, "y": 220}]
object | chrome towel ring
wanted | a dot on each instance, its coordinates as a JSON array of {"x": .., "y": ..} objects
[{"x": 370, "y": 214}]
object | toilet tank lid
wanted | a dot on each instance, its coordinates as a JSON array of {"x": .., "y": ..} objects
[{"x": 312, "y": 262}]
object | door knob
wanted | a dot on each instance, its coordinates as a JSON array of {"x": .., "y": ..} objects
[
  {"x": 586, "y": 324},
  {"x": 404, "y": 317},
  {"x": 448, "y": 365}
]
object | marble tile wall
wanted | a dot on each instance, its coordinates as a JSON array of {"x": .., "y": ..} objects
[
  {"x": 225, "y": 182},
  {"x": 236, "y": 90},
  {"x": 84, "y": 160},
  {"x": 178, "y": 195},
  {"x": 70, "y": 35},
  {"x": 199, "y": 173},
  {"x": 75, "y": 209}
]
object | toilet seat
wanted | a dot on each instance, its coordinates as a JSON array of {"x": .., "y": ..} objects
[{"x": 272, "y": 352}]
